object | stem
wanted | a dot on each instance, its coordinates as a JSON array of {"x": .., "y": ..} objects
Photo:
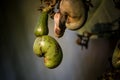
[{"x": 47, "y": 9}]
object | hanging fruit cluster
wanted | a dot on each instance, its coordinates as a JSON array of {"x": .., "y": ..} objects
[{"x": 45, "y": 45}]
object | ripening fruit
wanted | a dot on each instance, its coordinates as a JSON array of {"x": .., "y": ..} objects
[
  {"x": 47, "y": 47},
  {"x": 42, "y": 26}
]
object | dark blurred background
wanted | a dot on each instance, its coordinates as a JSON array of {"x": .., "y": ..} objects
[{"x": 18, "y": 62}]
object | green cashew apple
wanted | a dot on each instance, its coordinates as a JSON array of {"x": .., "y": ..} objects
[
  {"x": 42, "y": 26},
  {"x": 116, "y": 56},
  {"x": 47, "y": 47}
]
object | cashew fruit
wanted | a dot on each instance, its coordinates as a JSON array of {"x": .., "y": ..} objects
[
  {"x": 42, "y": 26},
  {"x": 47, "y": 47},
  {"x": 116, "y": 56}
]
